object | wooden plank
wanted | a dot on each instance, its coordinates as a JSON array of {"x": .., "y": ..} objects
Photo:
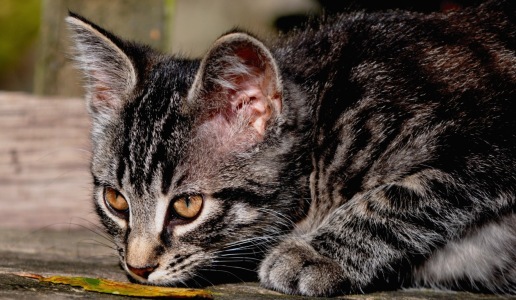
[{"x": 44, "y": 162}]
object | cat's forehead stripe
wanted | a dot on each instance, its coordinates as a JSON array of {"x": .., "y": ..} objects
[{"x": 154, "y": 134}]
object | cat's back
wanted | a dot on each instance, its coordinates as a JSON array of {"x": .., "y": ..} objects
[
  {"x": 415, "y": 62},
  {"x": 396, "y": 91},
  {"x": 451, "y": 42}
]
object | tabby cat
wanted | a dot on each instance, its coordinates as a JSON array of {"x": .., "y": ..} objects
[{"x": 369, "y": 151}]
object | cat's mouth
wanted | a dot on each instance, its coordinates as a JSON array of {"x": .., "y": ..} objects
[
  {"x": 199, "y": 275},
  {"x": 156, "y": 276},
  {"x": 171, "y": 269},
  {"x": 140, "y": 274}
]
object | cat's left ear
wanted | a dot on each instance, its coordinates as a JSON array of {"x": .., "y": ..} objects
[
  {"x": 238, "y": 79},
  {"x": 109, "y": 72}
]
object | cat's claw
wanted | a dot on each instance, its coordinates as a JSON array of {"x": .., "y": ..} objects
[{"x": 295, "y": 267}]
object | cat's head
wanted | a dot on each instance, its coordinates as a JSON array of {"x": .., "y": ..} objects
[{"x": 181, "y": 180}]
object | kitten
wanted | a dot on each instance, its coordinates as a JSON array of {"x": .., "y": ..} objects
[{"x": 367, "y": 152}]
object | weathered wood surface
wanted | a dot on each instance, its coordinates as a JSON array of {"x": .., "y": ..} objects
[
  {"x": 83, "y": 253},
  {"x": 44, "y": 157}
]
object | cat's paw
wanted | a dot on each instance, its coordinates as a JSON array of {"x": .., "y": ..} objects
[{"x": 294, "y": 267}]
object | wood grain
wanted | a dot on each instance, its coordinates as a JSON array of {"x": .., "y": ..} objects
[{"x": 44, "y": 161}]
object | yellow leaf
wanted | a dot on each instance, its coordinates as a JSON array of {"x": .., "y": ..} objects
[{"x": 122, "y": 288}]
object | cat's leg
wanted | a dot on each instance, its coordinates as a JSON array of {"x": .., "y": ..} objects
[
  {"x": 342, "y": 256},
  {"x": 374, "y": 240},
  {"x": 484, "y": 260}
]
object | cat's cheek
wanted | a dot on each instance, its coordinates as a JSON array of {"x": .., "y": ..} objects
[{"x": 244, "y": 214}]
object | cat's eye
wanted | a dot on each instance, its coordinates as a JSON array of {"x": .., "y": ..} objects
[
  {"x": 116, "y": 202},
  {"x": 188, "y": 207}
]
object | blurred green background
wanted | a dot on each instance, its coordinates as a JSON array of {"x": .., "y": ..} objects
[
  {"x": 34, "y": 46},
  {"x": 19, "y": 27}
]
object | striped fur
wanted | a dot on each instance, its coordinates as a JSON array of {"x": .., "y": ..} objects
[{"x": 386, "y": 159}]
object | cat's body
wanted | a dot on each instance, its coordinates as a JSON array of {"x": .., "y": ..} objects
[{"x": 371, "y": 152}]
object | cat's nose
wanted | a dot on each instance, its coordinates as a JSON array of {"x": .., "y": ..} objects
[{"x": 142, "y": 272}]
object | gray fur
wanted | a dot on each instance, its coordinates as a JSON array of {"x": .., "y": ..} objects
[{"x": 365, "y": 152}]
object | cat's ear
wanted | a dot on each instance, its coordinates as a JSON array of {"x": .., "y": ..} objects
[
  {"x": 238, "y": 78},
  {"x": 110, "y": 74}
]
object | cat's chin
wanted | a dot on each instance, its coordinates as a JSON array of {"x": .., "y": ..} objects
[{"x": 159, "y": 279}]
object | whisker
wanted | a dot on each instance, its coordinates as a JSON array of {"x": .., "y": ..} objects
[
  {"x": 255, "y": 246},
  {"x": 284, "y": 220},
  {"x": 101, "y": 228},
  {"x": 194, "y": 274},
  {"x": 223, "y": 271},
  {"x": 240, "y": 259},
  {"x": 95, "y": 242},
  {"x": 102, "y": 235},
  {"x": 250, "y": 242},
  {"x": 215, "y": 263},
  {"x": 237, "y": 254},
  {"x": 191, "y": 275}
]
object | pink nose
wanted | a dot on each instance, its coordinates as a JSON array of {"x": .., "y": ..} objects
[{"x": 142, "y": 272}]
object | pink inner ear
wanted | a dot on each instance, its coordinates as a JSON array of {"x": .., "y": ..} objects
[
  {"x": 102, "y": 96},
  {"x": 240, "y": 89},
  {"x": 252, "y": 89},
  {"x": 252, "y": 104}
]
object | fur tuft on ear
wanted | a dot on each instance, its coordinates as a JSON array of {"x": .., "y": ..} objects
[
  {"x": 239, "y": 80},
  {"x": 110, "y": 74}
]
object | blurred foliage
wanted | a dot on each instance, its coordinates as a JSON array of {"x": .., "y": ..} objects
[{"x": 19, "y": 26}]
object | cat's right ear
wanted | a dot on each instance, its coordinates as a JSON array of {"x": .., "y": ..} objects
[
  {"x": 239, "y": 80},
  {"x": 110, "y": 74}
]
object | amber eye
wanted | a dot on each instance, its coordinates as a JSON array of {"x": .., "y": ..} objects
[
  {"x": 188, "y": 206},
  {"x": 116, "y": 202}
]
